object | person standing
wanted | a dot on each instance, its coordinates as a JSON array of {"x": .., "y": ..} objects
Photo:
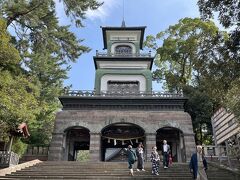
[
  {"x": 170, "y": 160},
  {"x": 155, "y": 159},
  {"x": 198, "y": 165},
  {"x": 140, "y": 157},
  {"x": 131, "y": 158},
  {"x": 166, "y": 152}
]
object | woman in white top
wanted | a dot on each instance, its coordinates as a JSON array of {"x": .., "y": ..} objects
[{"x": 140, "y": 157}]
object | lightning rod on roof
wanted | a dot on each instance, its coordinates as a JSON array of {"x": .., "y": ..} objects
[{"x": 123, "y": 21}]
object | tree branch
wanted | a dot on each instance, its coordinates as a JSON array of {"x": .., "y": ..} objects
[{"x": 18, "y": 14}]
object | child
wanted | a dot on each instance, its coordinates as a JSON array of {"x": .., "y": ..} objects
[{"x": 170, "y": 159}]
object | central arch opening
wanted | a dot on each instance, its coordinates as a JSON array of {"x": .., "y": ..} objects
[{"x": 117, "y": 136}]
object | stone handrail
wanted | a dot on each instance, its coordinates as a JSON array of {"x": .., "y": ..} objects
[
  {"x": 18, "y": 167},
  {"x": 221, "y": 154},
  {"x": 8, "y": 158},
  {"x": 90, "y": 93},
  {"x": 37, "y": 150}
]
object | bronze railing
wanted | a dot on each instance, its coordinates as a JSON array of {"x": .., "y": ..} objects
[
  {"x": 90, "y": 93},
  {"x": 105, "y": 54}
]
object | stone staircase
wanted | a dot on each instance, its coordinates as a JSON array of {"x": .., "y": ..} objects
[{"x": 108, "y": 170}]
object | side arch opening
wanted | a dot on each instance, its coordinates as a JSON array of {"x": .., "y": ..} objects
[
  {"x": 174, "y": 138},
  {"x": 77, "y": 142}
]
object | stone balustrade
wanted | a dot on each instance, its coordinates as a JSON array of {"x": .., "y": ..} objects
[{"x": 8, "y": 158}]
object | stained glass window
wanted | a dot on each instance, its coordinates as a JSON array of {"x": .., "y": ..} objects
[
  {"x": 118, "y": 86},
  {"x": 123, "y": 50}
]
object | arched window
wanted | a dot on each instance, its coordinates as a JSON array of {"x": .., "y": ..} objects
[{"x": 123, "y": 50}]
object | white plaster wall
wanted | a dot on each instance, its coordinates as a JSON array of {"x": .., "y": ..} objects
[
  {"x": 141, "y": 79},
  {"x": 123, "y": 35},
  {"x": 124, "y": 64}
]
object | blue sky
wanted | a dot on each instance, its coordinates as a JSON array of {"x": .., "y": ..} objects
[{"x": 157, "y": 15}]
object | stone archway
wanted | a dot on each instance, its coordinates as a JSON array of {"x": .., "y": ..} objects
[
  {"x": 117, "y": 136},
  {"x": 175, "y": 139},
  {"x": 77, "y": 142}
]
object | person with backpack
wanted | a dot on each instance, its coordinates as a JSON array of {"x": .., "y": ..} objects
[{"x": 131, "y": 158}]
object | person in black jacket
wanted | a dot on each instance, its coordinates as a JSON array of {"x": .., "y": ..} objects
[{"x": 198, "y": 165}]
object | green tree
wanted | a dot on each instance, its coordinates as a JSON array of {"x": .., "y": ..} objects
[
  {"x": 46, "y": 49},
  {"x": 18, "y": 93},
  {"x": 229, "y": 16},
  {"x": 187, "y": 48},
  {"x": 233, "y": 98},
  {"x": 188, "y": 57},
  {"x": 228, "y": 11},
  {"x": 200, "y": 108}
]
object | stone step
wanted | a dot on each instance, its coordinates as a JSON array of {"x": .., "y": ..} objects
[
  {"x": 103, "y": 178},
  {"x": 99, "y": 169},
  {"x": 99, "y": 173},
  {"x": 105, "y": 170}
]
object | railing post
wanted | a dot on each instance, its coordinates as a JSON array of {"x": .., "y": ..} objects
[
  {"x": 149, "y": 53},
  {"x": 228, "y": 154}
]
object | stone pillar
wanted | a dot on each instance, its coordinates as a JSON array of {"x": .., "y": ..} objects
[
  {"x": 94, "y": 149},
  {"x": 56, "y": 147},
  {"x": 190, "y": 146},
  {"x": 150, "y": 142}
]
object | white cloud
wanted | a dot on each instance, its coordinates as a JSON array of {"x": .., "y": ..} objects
[{"x": 103, "y": 11}]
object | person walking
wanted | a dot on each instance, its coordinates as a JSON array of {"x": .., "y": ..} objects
[
  {"x": 131, "y": 158},
  {"x": 198, "y": 165},
  {"x": 140, "y": 157},
  {"x": 166, "y": 152},
  {"x": 155, "y": 159}
]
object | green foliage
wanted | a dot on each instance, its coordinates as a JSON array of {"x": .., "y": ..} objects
[
  {"x": 9, "y": 56},
  {"x": 190, "y": 58},
  {"x": 17, "y": 91},
  {"x": 39, "y": 137},
  {"x": 18, "y": 99},
  {"x": 83, "y": 155},
  {"x": 186, "y": 49},
  {"x": 76, "y": 8},
  {"x": 35, "y": 67},
  {"x": 19, "y": 147},
  {"x": 200, "y": 107},
  {"x": 228, "y": 11},
  {"x": 229, "y": 16},
  {"x": 233, "y": 98}
]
